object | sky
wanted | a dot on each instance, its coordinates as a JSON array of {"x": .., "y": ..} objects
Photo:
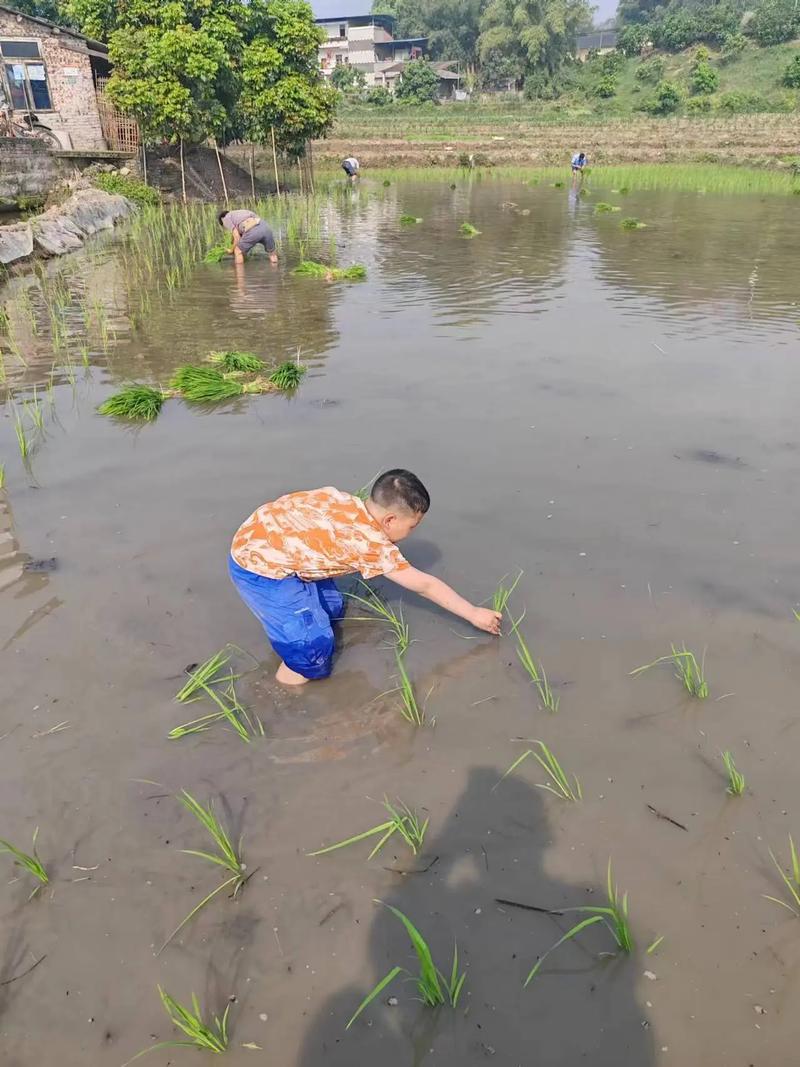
[{"x": 333, "y": 9}]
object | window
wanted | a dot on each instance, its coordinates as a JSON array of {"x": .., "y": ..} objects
[
  {"x": 342, "y": 29},
  {"x": 339, "y": 59},
  {"x": 26, "y": 76}
]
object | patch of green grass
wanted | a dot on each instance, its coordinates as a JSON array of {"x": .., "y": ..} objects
[
  {"x": 307, "y": 268},
  {"x": 791, "y": 880},
  {"x": 690, "y": 672},
  {"x": 466, "y": 229},
  {"x": 137, "y": 403},
  {"x": 402, "y": 821},
  {"x": 228, "y": 856},
  {"x": 32, "y": 864},
  {"x": 433, "y": 987},
  {"x": 559, "y": 784},
  {"x": 210, "y": 1037},
  {"x": 135, "y": 190},
  {"x": 409, "y": 220},
  {"x": 382, "y": 611},
  {"x": 288, "y": 375},
  {"x": 631, "y": 223},
  {"x": 204, "y": 385},
  {"x": 231, "y": 362},
  {"x": 736, "y": 782}
]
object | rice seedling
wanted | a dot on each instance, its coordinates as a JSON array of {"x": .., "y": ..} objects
[
  {"x": 217, "y": 253},
  {"x": 535, "y": 671},
  {"x": 307, "y": 268},
  {"x": 736, "y": 782},
  {"x": 602, "y": 208},
  {"x": 409, "y": 708},
  {"x": 204, "y": 385},
  {"x": 212, "y": 1037},
  {"x": 31, "y": 863},
  {"x": 691, "y": 674},
  {"x": 139, "y": 403},
  {"x": 381, "y": 610},
  {"x": 232, "y": 362},
  {"x": 632, "y": 223},
  {"x": 229, "y": 708},
  {"x": 432, "y": 986},
  {"x": 409, "y": 220},
  {"x": 228, "y": 856},
  {"x": 402, "y": 821},
  {"x": 559, "y": 784},
  {"x": 33, "y": 409},
  {"x": 466, "y": 229},
  {"x": 207, "y": 673},
  {"x": 2, "y": 475},
  {"x": 791, "y": 880},
  {"x": 19, "y": 432},
  {"x": 501, "y": 595},
  {"x": 614, "y": 917},
  {"x": 288, "y": 375}
]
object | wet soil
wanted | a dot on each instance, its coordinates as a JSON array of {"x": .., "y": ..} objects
[{"x": 613, "y": 413}]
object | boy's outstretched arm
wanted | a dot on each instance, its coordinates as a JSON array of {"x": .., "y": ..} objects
[{"x": 440, "y": 593}]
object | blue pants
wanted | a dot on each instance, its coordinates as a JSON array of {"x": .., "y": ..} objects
[{"x": 296, "y": 615}]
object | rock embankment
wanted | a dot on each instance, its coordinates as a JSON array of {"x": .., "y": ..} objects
[{"x": 63, "y": 228}]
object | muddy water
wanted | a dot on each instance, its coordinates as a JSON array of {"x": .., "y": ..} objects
[{"x": 613, "y": 413}]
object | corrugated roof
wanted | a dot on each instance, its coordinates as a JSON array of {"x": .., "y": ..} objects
[{"x": 96, "y": 45}]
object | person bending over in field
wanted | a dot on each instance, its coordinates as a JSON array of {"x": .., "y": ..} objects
[
  {"x": 248, "y": 230},
  {"x": 579, "y": 161},
  {"x": 351, "y": 167},
  {"x": 285, "y": 556}
]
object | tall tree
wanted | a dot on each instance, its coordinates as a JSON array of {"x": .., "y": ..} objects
[
  {"x": 451, "y": 26},
  {"x": 532, "y": 35}
]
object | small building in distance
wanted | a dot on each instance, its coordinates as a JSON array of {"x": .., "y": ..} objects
[
  {"x": 599, "y": 41},
  {"x": 449, "y": 80},
  {"x": 48, "y": 78},
  {"x": 362, "y": 40}
]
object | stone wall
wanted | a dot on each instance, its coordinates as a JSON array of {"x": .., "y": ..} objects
[
  {"x": 27, "y": 168},
  {"x": 74, "y": 118}
]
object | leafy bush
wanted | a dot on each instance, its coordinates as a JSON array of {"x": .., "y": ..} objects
[
  {"x": 606, "y": 86},
  {"x": 632, "y": 40},
  {"x": 141, "y": 195},
  {"x": 539, "y": 86},
  {"x": 791, "y": 75},
  {"x": 733, "y": 44},
  {"x": 379, "y": 95},
  {"x": 775, "y": 21},
  {"x": 348, "y": 80},
  {"x": 681, "y": 27},
  {"x": 609, "y": 64},
  {"x": 419, "y": 83},
  {"x": 699, "y": 105},
  {"x": 651, "y": 70},
  {"x": 735, "y": 103},
  {"x": 667, "y": 100},
  {"x": 704, "y": 79}
]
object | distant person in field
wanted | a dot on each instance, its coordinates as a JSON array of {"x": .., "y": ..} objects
[
  {"x": 248, "y": 230},
  {"x": 285, "y": 557},
  {"x": 579, "y": 161},
  {"x": 351, "y": 167}
]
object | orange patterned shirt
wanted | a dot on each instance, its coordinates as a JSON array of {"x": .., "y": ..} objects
[{"x": 320, "y": 533}]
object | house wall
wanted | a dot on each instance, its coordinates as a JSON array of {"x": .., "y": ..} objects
[{"x": 74, "y": 117}]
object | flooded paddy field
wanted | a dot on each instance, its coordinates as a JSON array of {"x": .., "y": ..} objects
[{"x": 611, "y": 412}]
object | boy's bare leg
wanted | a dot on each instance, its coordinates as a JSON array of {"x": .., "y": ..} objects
[{"x": 287, "y": 676}]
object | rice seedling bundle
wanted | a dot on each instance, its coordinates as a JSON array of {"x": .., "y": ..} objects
[
  {"x": 308, "y": 268},
  {"x": 466, "y": 229},
  {"x": 736, "y": 782},
  {"x": 409, "y": 220},
  {"x": 433, "y": 987},
  {"x": 217, "y": 253},
  {"x": 602, "y": 208},
  {"x": 690, "y": 672},
  {"x": 204, "y": 385},
  {"x": 31, "y": 863},
  {"x": 632, "y": 223},
  {"x": 232, "y": 362},
  {"x": 288, "y": 375},
  {"x": 139, "y": 403},
  {"x": 211, "y": 1037},
  {"x": 503, "y": 592}
]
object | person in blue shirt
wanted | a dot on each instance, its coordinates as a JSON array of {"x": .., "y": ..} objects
[{"x": 579, "y": 161}]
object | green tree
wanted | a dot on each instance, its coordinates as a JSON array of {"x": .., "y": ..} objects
[
  {"x": 43, "y": 9},
  {"x": 791, "y": 74},
  {"x": 667, "y": 100},
  {"x": 775, "y": 21},
  {"x": 451, "y": 26},
  {"x": 419, "y": 83},
  {"x": 632, "y": 39},
  {"x": 348, "y": 79},
  {"x": 536, "y": 34}
]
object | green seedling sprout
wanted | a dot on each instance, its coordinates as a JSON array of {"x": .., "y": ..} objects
[
  {"x": 208, "y": 680},
  {"x": 559, "y": 784},
  {"x": 288, "y": 375},
  {"x": 211, "y": 1037},
  {"x": 363, "y": 492},
  {"x": 687, "y": 669},
  {"x": 2, "y": 475},
  {"x": 381, "y": 610},
  {"x": 31, "y": 863},
  {"x": 466, "y": 229},
  {"x": 791, "y": 880},
  {"x": 204, "y": 385},
  {"x": 503, "y": 593},
  {"x": 736, "y": 782},
  {"x": 207, "y": 673},
  {"x": 409, "y": 708},
  {"x": 19, "y": 432},
  {"x": 535, "y": 671},
  {"x": 433, "y": 987},
  {"x": 138, "y": 403},
  {"x": 231, "y": 362},
  {"x": 403, "y": 821},
  {"x": 614, "y": 917},
  {"x": 228, "y": 856}
]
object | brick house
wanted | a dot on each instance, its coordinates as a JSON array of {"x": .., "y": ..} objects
[{"x": 50, "y": 73}]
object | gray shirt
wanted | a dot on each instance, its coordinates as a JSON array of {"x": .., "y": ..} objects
[{"x": 235, "y": 218}]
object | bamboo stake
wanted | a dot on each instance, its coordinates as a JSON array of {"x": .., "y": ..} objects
[
  {"x": 275, "y": 162},
  {"x": 221, "y": 172},
  {"x": 183, "y": 174},
  {"x": 144, "y": 161},
  {"x": 252, "y": 170},
  {"x": 310, "y": 167}
]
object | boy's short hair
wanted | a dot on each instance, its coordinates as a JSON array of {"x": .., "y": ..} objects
[
  {"x": 399, "y": 488},
  {"x": 221, "y": 216}
]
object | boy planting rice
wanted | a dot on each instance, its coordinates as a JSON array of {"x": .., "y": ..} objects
[{"x": 285, "y": 556}]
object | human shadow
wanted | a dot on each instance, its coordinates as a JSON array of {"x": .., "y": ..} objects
[{"x": 580, "y": 1008}]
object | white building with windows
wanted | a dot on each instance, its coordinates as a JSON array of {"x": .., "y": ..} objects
[{"x": 363, "y": 40}]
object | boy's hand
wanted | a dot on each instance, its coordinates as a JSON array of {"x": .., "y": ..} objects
[{"x": 486, "y": 619}]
